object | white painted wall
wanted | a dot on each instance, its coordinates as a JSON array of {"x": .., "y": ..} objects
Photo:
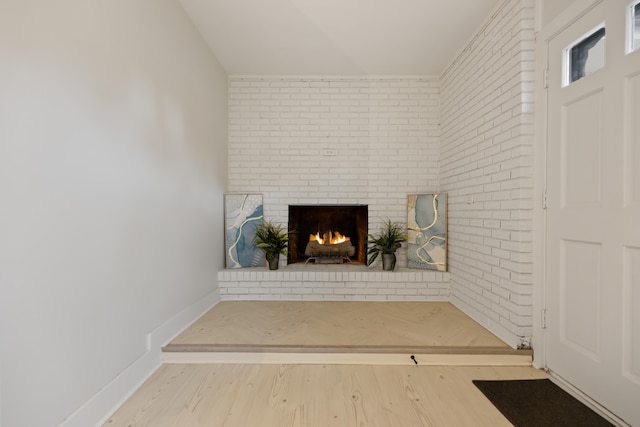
[
  {"x": 112, "y": 174},
  {"x": 549, "y": 9},
  {"x": 486, "y": 167},
  {"x": 382, "y": 134}
]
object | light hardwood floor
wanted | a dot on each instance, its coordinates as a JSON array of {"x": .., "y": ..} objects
[
  {"x": 336, "y": 324},
  {"x": 315, "y": 396},
  {"x": 246, "y": 395}
]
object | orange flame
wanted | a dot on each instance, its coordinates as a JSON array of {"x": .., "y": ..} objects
[{"x": 330, "y": 238}]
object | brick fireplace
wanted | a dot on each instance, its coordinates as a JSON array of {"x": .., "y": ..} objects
[{"x": 334, "y": 141}]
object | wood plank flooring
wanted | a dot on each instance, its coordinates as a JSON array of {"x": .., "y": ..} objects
[
  {"x": 316, "y": 396},
  {"x": 320, "y": 394},
  {"x": 335, "y": 324}
]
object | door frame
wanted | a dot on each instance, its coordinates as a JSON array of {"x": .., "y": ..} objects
[{"x": 575, "y": 11}]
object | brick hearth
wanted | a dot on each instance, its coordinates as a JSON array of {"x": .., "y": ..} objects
[{"x": 333, "y": 283}]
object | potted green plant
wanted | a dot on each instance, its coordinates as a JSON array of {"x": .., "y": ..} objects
[
  {"x": 273, "y": 240},
  {"x": 386, "y": 242}
]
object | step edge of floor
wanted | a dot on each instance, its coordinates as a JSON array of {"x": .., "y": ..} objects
[
  {"x": 243, "y": 348},
  {"x": 348, "y": 358}
]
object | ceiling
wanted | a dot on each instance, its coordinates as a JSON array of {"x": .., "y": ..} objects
[{"x": 337, "y": 37}]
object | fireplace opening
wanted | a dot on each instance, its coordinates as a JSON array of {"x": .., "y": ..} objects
[{"x": 328, "y": 234}]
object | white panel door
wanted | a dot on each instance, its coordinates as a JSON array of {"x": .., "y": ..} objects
[{"x": 592, "y": 284}]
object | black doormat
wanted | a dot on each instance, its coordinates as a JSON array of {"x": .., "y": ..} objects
[{"x": 538, "y": 403}]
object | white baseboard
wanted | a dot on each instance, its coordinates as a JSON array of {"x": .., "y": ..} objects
[{"x": 97, "y": 410}]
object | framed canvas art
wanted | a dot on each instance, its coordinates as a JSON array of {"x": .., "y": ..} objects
[
  {"x": 427, "y": 231},
  {"x": 243, "y": 212}
]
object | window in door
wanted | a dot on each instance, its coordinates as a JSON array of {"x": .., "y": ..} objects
[
  {"x": 633, "y": 27},
  {"x": 584, "y": 56}
]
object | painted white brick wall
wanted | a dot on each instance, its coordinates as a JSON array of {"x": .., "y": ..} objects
[
  {"x": 327, "y": 284},
  {"x": 334, "y": 140},
  {"x": 486, "y": 166}
]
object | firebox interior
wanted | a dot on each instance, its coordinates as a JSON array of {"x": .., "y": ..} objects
[{"x": 305, "y": 221}]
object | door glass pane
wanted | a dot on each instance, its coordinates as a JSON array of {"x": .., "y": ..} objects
[
  {"x": 635, "y": 27},
  {"x": 587, "y": 56}
]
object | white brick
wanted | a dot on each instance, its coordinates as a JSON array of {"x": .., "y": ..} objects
[
  {"x": 485, "y": 103},
  {"x": 343, "y": 114}
]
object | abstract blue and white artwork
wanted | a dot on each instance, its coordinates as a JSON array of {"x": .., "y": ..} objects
[
  {"x": 427, "y": 231},
  {"x": 243, "y": 212}
]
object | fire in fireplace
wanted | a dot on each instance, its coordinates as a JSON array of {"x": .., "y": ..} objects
[
  {"x": 328, "y": 233},
  {"x": 332, "y": 247}
]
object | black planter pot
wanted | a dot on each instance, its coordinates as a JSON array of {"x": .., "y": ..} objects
[
  {"x": 388, "y": 262},
  {"x": 273, "y": 263}
]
